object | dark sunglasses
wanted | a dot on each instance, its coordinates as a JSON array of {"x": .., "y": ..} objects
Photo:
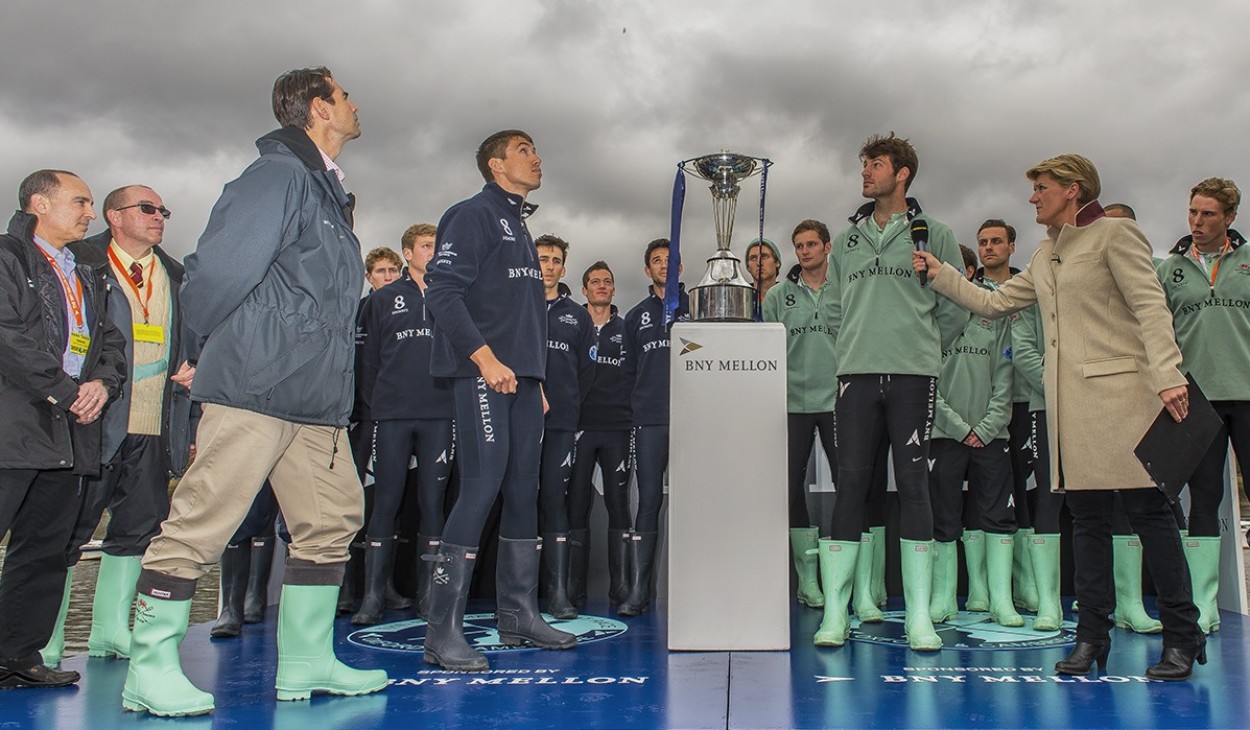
[{"x": 148, "y": 209}]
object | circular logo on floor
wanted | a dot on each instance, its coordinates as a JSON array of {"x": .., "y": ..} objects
[
  {"x": 969, "y": 631},
  {"x": 481, "y": 633}
]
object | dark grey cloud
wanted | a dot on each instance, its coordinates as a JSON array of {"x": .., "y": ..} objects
[{"x": 616, "y": 93}]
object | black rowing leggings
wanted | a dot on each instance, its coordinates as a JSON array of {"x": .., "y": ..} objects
[
  {"x": 497, "y": 450},
  {"x": 553, "y": 482},
  {"x": 394, "y": 443},
  {"x": 610, "y": 451}
]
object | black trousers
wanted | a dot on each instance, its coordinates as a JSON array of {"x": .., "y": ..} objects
[
  {"x": 609, "y": 450},
  {"x": 989, "y": 486},
  {"x": 871, "y": 408},
  {"x": 498, "y": 445},
  {"x": 394, "y": 444},
  {"x": 801, "y": 430},
  {"x": 1019, "y": 431},
  {"x": 650, "y": 461},
  {"x": 1151, "y": 518},
  {"x": 134, "y": 486},
  {"x": 553, "y": 480},
  {"x": 38, "y": 509},
  {"x": 1206, "y": 487}
]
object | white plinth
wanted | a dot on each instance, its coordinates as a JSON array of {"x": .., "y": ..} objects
[{"x": 729, "y": 576}]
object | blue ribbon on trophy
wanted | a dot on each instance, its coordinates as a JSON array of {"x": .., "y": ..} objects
[{"x": 723, "y": 294}]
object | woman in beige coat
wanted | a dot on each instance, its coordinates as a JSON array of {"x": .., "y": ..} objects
[{"x": 1110, "y": 359}]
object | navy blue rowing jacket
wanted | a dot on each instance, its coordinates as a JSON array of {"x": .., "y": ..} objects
[
  {"x": 570, "y": 360},
  {"x": 646, "y": 357},
  {"x": 395, "y": 379},
  {"x": 606, "y": 407},
  {"x": 485, "y": 288}
]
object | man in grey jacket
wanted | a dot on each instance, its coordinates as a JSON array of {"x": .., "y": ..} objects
[{"x": 269, "y": 302}]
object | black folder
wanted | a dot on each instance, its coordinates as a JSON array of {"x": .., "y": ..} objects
[{"x": 1171, "y": 451}]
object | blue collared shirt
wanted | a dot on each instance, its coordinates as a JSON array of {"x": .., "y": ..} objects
[{"x": 71, "y": 362}]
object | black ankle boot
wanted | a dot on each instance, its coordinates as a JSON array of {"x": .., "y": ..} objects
[
  {"x": 1177, "y": 664},
  {"x": 235, "y": 561},
  {"x": 1082, "y": 658}
]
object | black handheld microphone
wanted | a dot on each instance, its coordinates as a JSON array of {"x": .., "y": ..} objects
[{"x": 920, "y": 239}]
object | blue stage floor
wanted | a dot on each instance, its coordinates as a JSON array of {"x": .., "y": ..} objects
[{"x": 623, "y": 677}]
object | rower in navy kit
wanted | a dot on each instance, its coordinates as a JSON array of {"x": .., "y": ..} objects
[{"x": 570, "y": 370}]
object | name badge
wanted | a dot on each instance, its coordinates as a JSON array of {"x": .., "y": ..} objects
[
  {"x": 78, "y": 343},
  {"x": 153, "y": 333}
]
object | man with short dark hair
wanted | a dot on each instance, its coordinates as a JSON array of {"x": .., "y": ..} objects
[
  {"x": 890, "y": 334},
  {"x": 271, "y": 305},
  {"x": 61, "y": 361},
  {"x": 604, "y": 442},
  {"x": 485, "y": 294},
  {"x": 147, "y": 432},
  {"x": 570, "y": 370},
  {"x": 802, "y": 303},
  {"x": 411, "y": 415},
  {"x": 647, "y": 374}
]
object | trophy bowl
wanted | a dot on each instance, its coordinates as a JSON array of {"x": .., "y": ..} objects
[{"x": 724, "y": 293}]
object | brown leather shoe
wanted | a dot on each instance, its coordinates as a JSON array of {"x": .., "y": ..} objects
[{"x": 38, "y": 675}]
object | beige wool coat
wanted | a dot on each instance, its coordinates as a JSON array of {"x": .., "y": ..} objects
[{"x": 1109, "y": 344}]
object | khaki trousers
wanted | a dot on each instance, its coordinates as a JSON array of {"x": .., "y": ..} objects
[{"x": 236, "y": 450}]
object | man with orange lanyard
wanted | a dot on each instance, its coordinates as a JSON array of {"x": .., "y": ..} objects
[
  {"x": 60, "y": 363},
  {"x": 146, "y": 433},
  {"x": 1207, "y": 283}
]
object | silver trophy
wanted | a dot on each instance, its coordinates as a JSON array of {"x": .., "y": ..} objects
[{"x": 723, "y": 294}]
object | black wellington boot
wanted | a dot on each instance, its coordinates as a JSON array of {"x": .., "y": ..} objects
[
  {"x": 555, "y": 561},
  {"x": 618, "y": 566},
  {"x": 445, "y": 644},
  {"x": 516, "y": 587},
  {"x": 379, "y": 562},
  {"x": 235, "y": 561},
  {"x": 257, "y": 598},
  {"x": 641, "y": 565}
]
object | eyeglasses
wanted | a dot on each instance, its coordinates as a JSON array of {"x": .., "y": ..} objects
[{"x": 148, "y": 209}]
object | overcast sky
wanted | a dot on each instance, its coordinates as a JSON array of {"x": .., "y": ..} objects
[{"x": 173, "y": 95}]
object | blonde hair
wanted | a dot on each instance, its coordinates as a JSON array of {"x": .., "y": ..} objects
[
  {"x": 1068, "y": 169},
  {"x": 1220, "y": 189}
]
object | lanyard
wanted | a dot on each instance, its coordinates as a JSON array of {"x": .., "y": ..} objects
[
  {"x": 125, "y": 276},
  {"x": 74, "y": 297},
  {"x": 1215, "y": 268}
]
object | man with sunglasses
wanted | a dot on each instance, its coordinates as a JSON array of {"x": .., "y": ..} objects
[
  {"x": 269, "y": 305},
  {"x": 146, "y": 432}
]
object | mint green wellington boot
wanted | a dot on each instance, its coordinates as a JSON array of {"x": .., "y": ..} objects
[
  {"x": 306, "y": 661},
  {"x": 803, "y": 546},
  {"x": 1129, "y": 612},
  {"x": 917, "y": 564},
  {"x": 943, "y": 604},
  {"x": 154, "y": 680},
  {"x": 862, "y": 599},
  {"x": 1203, "y": 556},
  {"x": 978, "y": 585},
  {"x": 837, "y": 565},
  {"x": 879, "y": 593},
  {"x": 110, "y": 608},
  {"x": 1024, "y": 585},
  {"x": 918, "y": 574},
  {"x": 1044, "y": 552},
  {"x": 1000, "y": 551},
  {"x": 55, "y": 649}
]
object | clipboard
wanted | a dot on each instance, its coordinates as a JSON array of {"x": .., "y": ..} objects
[{"x": 1171, "y": 451}]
